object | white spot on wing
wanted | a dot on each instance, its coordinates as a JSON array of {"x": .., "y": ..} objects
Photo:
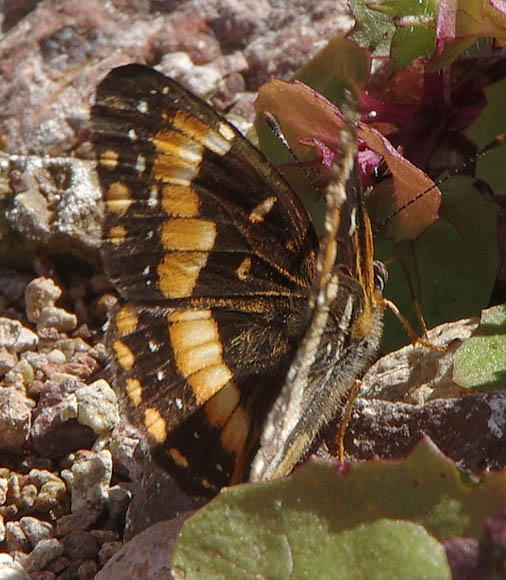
[
  {"x": 216, "y": 143},
  {"x": 258, "y": 213},
  {"x": 140, "y": 164},
  {"x": 153, "y": 346},
  {"x": 226, "y": 131},
  {"x": 142, "y": 107},
  {"x": 153, "y": 196}
]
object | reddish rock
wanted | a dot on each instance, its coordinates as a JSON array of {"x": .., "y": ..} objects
[{"x": 15, "y": 419}]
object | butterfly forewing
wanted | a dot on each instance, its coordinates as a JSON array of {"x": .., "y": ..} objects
[{"x": 195, "y": 193}]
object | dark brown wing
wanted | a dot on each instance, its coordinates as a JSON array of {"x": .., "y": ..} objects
[{"x": 213, "y": 255}]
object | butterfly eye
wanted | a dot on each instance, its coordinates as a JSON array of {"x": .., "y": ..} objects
[{"x": 380, "y": 275}]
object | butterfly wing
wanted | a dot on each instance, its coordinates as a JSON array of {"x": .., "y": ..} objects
[
  {"x": 344, "y": 331},
  {"x": 213, "y": 256}
]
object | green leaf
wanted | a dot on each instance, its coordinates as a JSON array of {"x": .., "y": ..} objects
[
  {"x": 404, "y": 29},
  {"x": 481, "y": 361},
  {"x": 492, "y": 119},
  {"x": 340, "y": 64},
  {"x": 373, "y": 30},
  {"x": 452, "y": 264},
  {"x": 411, "y": 42},
  {"x": 490, "y": 124},
  {"x": 378, "y": 519}
]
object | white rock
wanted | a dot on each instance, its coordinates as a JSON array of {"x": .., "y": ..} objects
[{"x": 97, "y": 407}]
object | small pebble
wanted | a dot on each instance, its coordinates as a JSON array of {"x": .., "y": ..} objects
[
  {"x": 15, "y": 419},
  {"x": 15, "y": 538},
  {"x": 8, "y": 360},
  {"x": 98, "y": 407},
  {"x": 15, "y": 337},
  {"x": 57, "y": 318},
  {"x": 89, "y": 479},
  {"x": 41, "y": 476},
  {"x": 11, "y": 570},
  {"x": 87, "y": 570},
  {"x": 28, "y": 496},
  {"x": 36, "y": 530},
  {"x": 26, "y": 370},
  {"x": 51, "y": 494},
  {"x": 59, "y": 564},
  {"x": 118, "y": 501},
  {"x": 108, "y": 550},
  {"x": 56, "y": 357},
  {"x": 13, "y": 489},
  {"x": 3, "y": 489},
  {"x": 45, "y": 551},
  {"x": 39, "y": 294},
  {"x": 43, "y": 575},
  {"x": 81, "y": 545}
]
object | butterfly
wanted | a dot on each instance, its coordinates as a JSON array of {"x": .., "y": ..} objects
[{"x": 238, "y": 333}]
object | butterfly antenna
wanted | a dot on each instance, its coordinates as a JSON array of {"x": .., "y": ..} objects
[
  {"x": 490, "y": 146},
  {"x": 275, "y": 128}
]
